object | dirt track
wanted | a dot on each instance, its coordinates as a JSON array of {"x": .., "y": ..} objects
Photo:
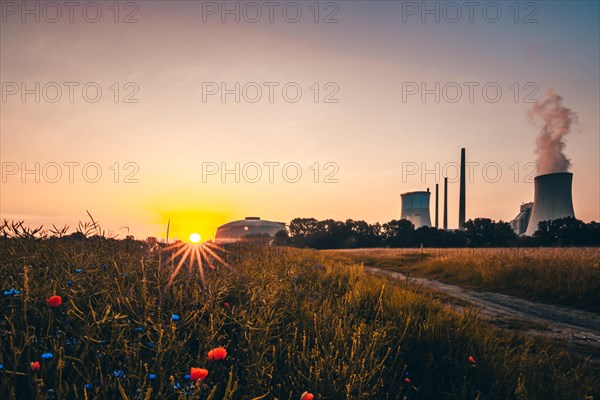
[{"x": 580, "y": 330}]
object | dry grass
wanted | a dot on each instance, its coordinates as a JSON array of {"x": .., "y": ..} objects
[
  {"x": 298, "y": 321},
  {"x": 567, "y": 276}
]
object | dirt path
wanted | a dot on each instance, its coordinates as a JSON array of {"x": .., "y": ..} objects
[{"x": 580, "y": 330}]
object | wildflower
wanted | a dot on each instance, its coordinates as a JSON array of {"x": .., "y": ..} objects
[
  {"x": 217, "y": 354},
  {"x": 227, "y": 305},
  {"x": 104, "y": 267},
  {"x": 88, "y": 385},
  {"x": 151, "y": 345},
  {"x": 47, "y": 356},
  {"x": 78, "y": 271},
  {"x": 103, "y": 341},
  {"x": 307, "y": 396},
  {"x": 69, "y": 283},
  {"x": 54, "y": 301},
  {"x": 407, "y": 380},
  {"x": 35, "y": 366},
  {"x": 118, "y": 373},
  {"x": 198, "y": 374},
  {"x": 12, "y": 292},
  {"x": 175, "y": 317},
  {"x": 187, "y": 377},
  {"x": 1, "y": 367},
  {"x": 471, "y": 360},
  {"x": 139, "y": 329},
  {"x": 152, "y": 377}
]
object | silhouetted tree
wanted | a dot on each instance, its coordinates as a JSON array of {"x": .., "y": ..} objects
[{"x": 398, "y": 233}]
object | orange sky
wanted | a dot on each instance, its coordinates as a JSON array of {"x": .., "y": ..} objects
[{"x": 366, "y": 139}]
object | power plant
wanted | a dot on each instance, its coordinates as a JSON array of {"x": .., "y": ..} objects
[
  {"x": 415, "y": 208},
  {"x": 552, "y": 199},
  {"x": 520, "y": 222}
]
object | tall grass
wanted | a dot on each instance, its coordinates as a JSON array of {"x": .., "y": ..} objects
[
  {"x": 568, "y": 276},
  {"x": 291, "y": 321}
]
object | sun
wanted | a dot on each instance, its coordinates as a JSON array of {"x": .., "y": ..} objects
[{"x": 195, "y": 238}]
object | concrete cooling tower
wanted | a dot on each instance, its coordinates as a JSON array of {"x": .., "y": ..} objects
[
  {"x": 552, "y": 199},
  {"x": 415, "y": 208}
]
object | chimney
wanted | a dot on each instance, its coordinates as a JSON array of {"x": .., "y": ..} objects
[
  {"x": 437, "y": 200},
  {"x": 445, "y": 203},
  {"x": 462, "y": 200}
]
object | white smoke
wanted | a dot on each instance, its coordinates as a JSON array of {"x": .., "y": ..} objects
[{"x": 556, "y": 121}]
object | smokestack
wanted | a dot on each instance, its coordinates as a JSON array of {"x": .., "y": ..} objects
[
  {"x": 462, "y": 200},
  {"x": 552, "y": 199},
  {"x": 445, "y": 203},
  {"x": 437, "y": 200}
]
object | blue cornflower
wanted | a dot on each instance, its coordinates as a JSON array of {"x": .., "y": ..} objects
[
  {"x": 151, "y": 345},
  {"x": 152, "y": 377},
  {"x": 103, "y": 341},
  {"x": 139, "y": 329},
  {"x": 1, "y": 367},
  {"x": 118, "y": 373},
  {"x": 187, "y": 377},
  {"x": 12, "y": 292},
  {"x": 47, "y": 356},
  {"x": 176, "y": 386},
  {"x": 78, "y": 271},
  {"x": 175, "y": 317},
  {"x": 69, "y": 283},
  {"x": 126, "y": 275},
  {"x": 104, "y": 267},
  {"x": 88, "y": 385}
]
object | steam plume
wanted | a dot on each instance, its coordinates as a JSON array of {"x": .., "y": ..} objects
[{"x": 556, "y": 121}]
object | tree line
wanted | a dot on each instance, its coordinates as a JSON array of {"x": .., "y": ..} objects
[{"x": 479, "y": 232}]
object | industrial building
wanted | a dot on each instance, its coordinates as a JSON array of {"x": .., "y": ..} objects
[
  {"x": 415, "y": 208},
  {"x": 239, "y": 230},
  {"x": 520, "y": 222},
  {"x": 552, "y": 199}
]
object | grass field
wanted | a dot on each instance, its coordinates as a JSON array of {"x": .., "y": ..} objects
[
  {"x": 566, "y": 276},
  {"x": 290, "y": 320}
]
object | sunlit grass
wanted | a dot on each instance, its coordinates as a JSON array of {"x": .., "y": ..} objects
[
  {"x": 568, "y": 276},
  {"x": 291, "y": 321}
]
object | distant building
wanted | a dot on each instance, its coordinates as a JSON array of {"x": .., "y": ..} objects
[
  {"x": 521, "y": 221},
  {"x": 246, "y": 229},
  {"x": 415, "y": 208}
]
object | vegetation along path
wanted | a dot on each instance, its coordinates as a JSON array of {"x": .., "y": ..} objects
[{"x": 580, "y": 330}]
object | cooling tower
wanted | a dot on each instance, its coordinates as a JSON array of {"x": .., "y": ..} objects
[
  {"x": 415, "y": 208},
  {"x": 552, "y": 199}
]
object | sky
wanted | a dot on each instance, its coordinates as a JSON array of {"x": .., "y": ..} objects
[{"x": 206, "y": 112}]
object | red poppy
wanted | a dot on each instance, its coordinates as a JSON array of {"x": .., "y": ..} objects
[
  {"x": 198, "y": 374},
  {"x": 217, "y": 354},
  {"x": 54, "y": 301},
  {"x": 471, "y": 360},
  {"x": 227, "y": 305},
  {"x": 307, "y": 396},
  {"x": 35, "y": 366},
  {"x": 406, "y": 380}
]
